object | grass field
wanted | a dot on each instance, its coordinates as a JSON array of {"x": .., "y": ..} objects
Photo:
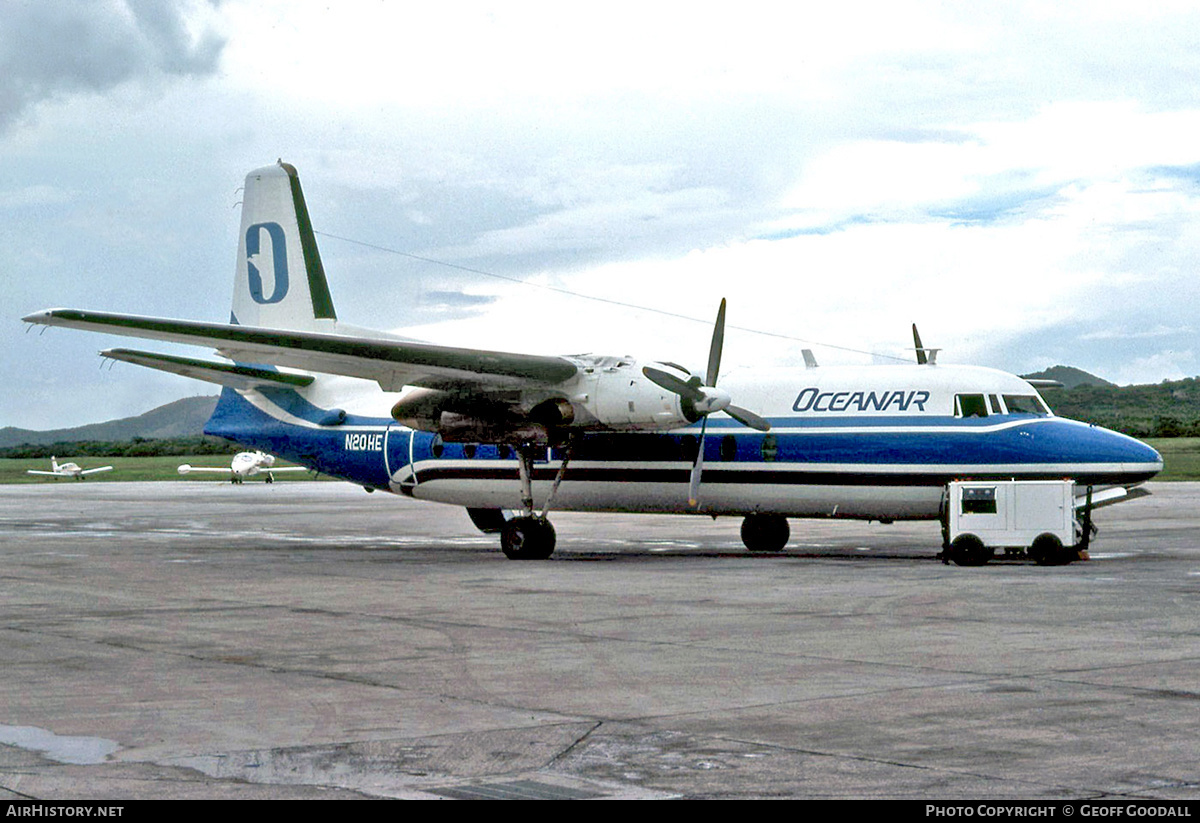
[
  {"x": 136, "y": 468},
  {"x": 1181, "y": 457},
  {"x": 1180, "y": 454}
]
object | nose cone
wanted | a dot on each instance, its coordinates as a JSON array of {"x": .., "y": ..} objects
[
  {"x": 1132, "y": 452},
  {"x": 1147, "y": 455},
  {"x": 1123, "y": 459}
]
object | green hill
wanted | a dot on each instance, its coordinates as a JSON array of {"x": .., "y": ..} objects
[
  {"x": 1070, "y": 377},
  {"x": 1167, "y": 409},
  {"x": 183, "y": 418}
]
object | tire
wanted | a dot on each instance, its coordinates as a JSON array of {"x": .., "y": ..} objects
[
  {"x": 527, "y": 538},
  {"x": 765, "y": 532},
  {"x": 1048, "y": 550},
  {"x": 968, "y": 550}
]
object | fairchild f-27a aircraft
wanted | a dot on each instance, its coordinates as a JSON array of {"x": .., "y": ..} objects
[
  {"x": 245, "y": 464},
  {"x": 68, "y": 470},
  {"x": 495, "y": 432}
]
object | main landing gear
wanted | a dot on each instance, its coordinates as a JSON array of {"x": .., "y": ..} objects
[{"x": 530, "y": 535}]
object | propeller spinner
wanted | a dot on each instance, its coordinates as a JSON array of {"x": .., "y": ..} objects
[{"x": 704, "y": 398}]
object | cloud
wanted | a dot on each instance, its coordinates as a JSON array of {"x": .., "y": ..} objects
[{"x": 56, "y": 48}]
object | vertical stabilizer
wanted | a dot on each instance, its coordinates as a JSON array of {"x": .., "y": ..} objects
[{"x": 280, "y": 282}]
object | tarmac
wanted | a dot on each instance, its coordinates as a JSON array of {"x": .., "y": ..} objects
[{"x": 311, "y": 641}]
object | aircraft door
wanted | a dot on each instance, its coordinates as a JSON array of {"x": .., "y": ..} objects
[{"x": 397, "y": 456}]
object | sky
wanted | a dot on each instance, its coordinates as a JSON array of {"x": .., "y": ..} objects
[{"x": 1022, "y": 180}]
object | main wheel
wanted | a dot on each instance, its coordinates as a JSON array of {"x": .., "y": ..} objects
[
  {"x": 968, "y": 550},
  {"x": 527, "y": 538},
  {"x": 1048, "y": 550},
  {"x": 765, "y": 532}
]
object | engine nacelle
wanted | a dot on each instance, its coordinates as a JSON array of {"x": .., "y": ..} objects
[
  {"x": 457, "y": 428},
  {"x": 608, "y": 394},
  {"x": 621, "y": 398},
  {"x": 469, "y": 420}
]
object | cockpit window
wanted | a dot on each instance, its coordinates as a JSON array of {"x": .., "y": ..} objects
[
  {"x": 970, "y": 405},
  {"x": 1025, "y": 404}
]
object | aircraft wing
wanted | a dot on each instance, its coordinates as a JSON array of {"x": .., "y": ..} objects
[
  {"x": 391, "y": 363},
  {"x": 94, "y": 471},
  {"x": 188, "y": 468},
  {"x": 49, "y": 474}
]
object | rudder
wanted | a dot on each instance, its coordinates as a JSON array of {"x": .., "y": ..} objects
[{"x": 280, "y": 282}]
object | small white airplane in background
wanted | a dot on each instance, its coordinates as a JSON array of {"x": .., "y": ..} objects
[
  {"x": 68, "y": 470},
  {"x": 245, "y": 464}
]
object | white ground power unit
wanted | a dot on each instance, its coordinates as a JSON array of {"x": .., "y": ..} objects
[{"x": 1034, "y": 518}]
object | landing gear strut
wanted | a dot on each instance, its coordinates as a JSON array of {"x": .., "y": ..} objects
[{"x": 530, "y": 536}]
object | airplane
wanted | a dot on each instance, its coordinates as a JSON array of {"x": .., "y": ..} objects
[
  {"x": 68, "y": 470},
  {"x": 510, "y": 436},
  {"x": 245, "y": 464}
]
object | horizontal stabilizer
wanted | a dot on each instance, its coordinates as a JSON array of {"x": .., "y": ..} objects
[
  {"x": 226, "y": 374},
  {"x": 1043, "y": 383},
  {"x": 391, "y": 363}
]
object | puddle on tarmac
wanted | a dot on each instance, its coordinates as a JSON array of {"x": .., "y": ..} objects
[{"x": 78, "y": 751}]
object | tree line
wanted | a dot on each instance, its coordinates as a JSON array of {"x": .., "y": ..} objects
[{"x": 137, "y": 447}]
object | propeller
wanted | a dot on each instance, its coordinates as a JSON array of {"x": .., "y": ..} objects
[{"x": 702, "y": 397}]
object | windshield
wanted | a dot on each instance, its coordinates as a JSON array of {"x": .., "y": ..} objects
[{"x": 1025, "y": 404}]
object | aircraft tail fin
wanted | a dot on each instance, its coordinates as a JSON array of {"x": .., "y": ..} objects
[{"x": 280, "y": 282}]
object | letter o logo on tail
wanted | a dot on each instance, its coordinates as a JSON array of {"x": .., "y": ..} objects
[{"x": 278, "y": 262}]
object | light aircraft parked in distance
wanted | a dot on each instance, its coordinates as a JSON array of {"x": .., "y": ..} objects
[
  {"x": 68, "y": 470},
  {"x": 509, "y": 436},
  {"x": 245, "y": 464}
]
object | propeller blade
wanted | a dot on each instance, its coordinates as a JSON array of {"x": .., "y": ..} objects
[
  {"x": 671, "y": 383},
  {"x": 705, "y": 397},
  {"x": 747, "y": 418},
  {"x": 921, "y": 358},
  {"x": 697, "y": 468},
  {"x": 714, "y": 350}
]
